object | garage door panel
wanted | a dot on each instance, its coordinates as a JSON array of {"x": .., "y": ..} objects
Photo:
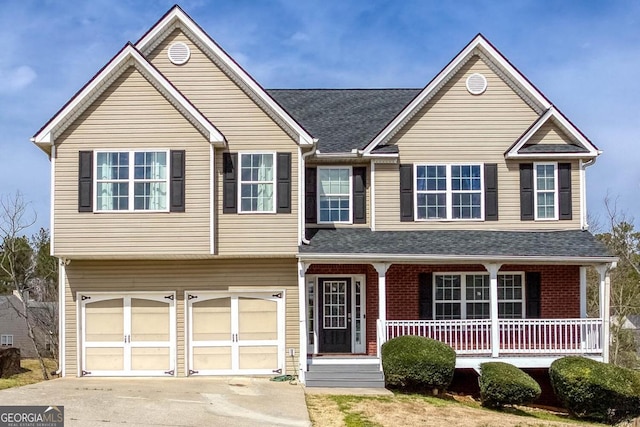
[
  {"x": 257, "y": 319},
  {"x": 150, "y": 359},
  {"x": 211, "y": 358},
  {"x": 104, "y": 359},
  {"x": 258, "y": 357},
  {"x": 104, "y": 320},
  {"x": 150, "y": 320},
  {"x": 211, "y": 319}
]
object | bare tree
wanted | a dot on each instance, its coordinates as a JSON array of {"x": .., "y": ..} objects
[{"x": 16, "y": 217}]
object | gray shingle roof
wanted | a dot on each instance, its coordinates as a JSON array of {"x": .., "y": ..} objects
[
  {"x": 553, "y": 148},
  {"x": 567, "y": 243},
  {"x": 343, "y": 119}
]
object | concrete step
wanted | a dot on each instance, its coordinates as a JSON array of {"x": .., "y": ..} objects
[
  {"x": 345, "y": 368},
  {"x": 345, "y": 375},
  {"x": 344, "y": 384}
]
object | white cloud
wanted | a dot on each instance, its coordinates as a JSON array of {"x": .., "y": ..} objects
[{"x": 15, "y": 79}]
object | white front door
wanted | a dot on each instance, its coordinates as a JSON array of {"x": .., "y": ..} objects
[
  {"x": 235, "y": 333},
  {"x": 128, "y": 334}
]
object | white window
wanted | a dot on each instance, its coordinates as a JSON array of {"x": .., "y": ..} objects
[
  {"x": 466, "y": 296},
  {"x": 257, "y": 182},
  {"x": 546, "y": 190},
  {"x": 449, "y": 192},
  {"x": 131, "y": 181},
  {"x": 6, "y": 340},
  {"x": 334, "y": 194}
]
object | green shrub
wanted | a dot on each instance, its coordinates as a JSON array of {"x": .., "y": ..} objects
[
  {"x": 418, "y": 363},
  {"x": 595, "y": 390},
  {"x": 504, "y": 384}
]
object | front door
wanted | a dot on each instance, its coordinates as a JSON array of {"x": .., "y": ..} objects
[{"x": 334, "y": 297}]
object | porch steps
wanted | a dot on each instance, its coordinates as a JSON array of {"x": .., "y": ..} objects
[{"x": 345, "y": 375}]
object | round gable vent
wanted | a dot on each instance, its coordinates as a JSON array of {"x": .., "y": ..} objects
[
  {"x": 476, "y": 84},
  {"x": 179, "y": 53}
]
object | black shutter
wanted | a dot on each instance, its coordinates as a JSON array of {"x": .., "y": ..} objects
[
  {"x": 177, "y": 180},
  {"x": 532, "y": 285},
  {"x": 425, "y": 296},
  {"x": 526, "y": 192},
  {"x": 359, "y": 195},
  {"x": 283, "y": 175},
  {"x": 229, "y": 183},
  {"x": 311, "y": 212},
  {"x": 564, "y": 185},
  {"x": 406, "y": 193},
  {"x": 85, "y": 182},
  {"x": 491, "y": 192}
]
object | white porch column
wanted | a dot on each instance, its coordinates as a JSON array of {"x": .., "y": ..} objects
[
  {"x": 302, "y": 310},
  {"x": 381, "y": 268},
  {"x": 493, "y": 301},
  {"x": 605, "y": 315},
  {"x": 583, "y": 292}
]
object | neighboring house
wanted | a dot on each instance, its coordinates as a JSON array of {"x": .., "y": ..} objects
[
  {"x": 632, "y": 323},
  {"x": 208, "y": 226},
  {"x": 13, "y": 328}
]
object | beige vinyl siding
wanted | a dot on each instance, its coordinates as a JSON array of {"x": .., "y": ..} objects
[
  {"x": 131, "y": 114},
  {"x": 549, "y": 133},
  {"x": 247, "y": 128},
  {"x": 457, "y": 127},
  {"x": 220, "y": 275}
]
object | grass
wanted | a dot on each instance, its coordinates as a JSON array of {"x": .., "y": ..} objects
[
  {"x": 31, "y": 373},
  {"x": 417, "y": 410}
]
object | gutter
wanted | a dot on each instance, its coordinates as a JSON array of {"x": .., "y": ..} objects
[{"x": 584, "y": 225}]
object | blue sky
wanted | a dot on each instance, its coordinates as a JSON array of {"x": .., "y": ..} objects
[{"x": 583, "y": 55}]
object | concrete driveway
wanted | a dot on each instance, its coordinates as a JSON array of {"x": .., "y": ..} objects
[{"x": 168, "y": 401}]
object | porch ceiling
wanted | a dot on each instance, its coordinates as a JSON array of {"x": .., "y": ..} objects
[{"x": 567, "y": 246}]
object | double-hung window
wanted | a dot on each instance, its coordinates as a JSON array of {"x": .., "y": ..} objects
[
  {"x": 546, "y": 190},
  {"x": 131, "y": 181},
  {"x": 466, "y": 296},
  {"x": 334, "y": 194},
  {"x": 257, "y": 182},
  {"x": 6, "y": 340},
  {"x": 449, "y": 192}
]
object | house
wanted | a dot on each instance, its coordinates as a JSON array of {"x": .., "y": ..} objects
[
  {"x": 13, "y": 328},
  {"x": 206, "y": 225}
]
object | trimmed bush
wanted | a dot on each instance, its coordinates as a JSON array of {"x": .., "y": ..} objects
[
  {"x": 503, "y": 384},
  {"x": 417, "y": 363},
  {"x": 596, "y": 390}
]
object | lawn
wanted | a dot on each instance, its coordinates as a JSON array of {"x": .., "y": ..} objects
[
  {"x": 419, "y": 410},
  {"x": 30, "y": 374}
]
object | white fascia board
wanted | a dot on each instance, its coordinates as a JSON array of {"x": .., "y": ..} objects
[
  {"x": 346, "y": 258},
  {"x": 116, "y": 65},
  {"x": 479, "y": 42},
  {"x": 552, "y": 114},
  {"x": 304, "y": 138}
]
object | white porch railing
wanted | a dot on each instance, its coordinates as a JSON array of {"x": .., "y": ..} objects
[{"x": 517, "y": 336}]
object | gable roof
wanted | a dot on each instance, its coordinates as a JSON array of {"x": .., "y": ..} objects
[
  {"x": 176, "y": 17},
  {"x": 482, "y": 47},
  {"x": 456, "y": 245},
  {"x": 128, "y": 56},
  {"x": 344, "y": 119},
  {"x": 581, "y": 148}
]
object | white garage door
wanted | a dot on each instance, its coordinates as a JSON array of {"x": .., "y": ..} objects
[
  {"x": 235, "y": 333},
  {"x": 128, "y": 334}
]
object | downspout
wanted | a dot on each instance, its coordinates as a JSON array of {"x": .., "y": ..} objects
[
  {"x": 302, "y": 189},
  {"x": 583, "y": 192}
]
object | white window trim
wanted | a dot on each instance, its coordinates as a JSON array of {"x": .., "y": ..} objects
[
  {"x": 4, "y": 340},
  {"x": 273, "y": 182},
  {"x": 555, "y": 191},
  {"x": 463, "y": 291},
  {"x": 318, "y": 184},
  {"x": 131, "y": 181},
  {"x": 449, "y": 192}
]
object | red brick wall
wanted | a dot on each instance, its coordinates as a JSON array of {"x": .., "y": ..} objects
[{"x": 559, "y": 291}]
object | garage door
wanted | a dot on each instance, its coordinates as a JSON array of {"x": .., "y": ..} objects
[
  {"x": 235, "y": 333},
  {"x": 128, "y": 334}
]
